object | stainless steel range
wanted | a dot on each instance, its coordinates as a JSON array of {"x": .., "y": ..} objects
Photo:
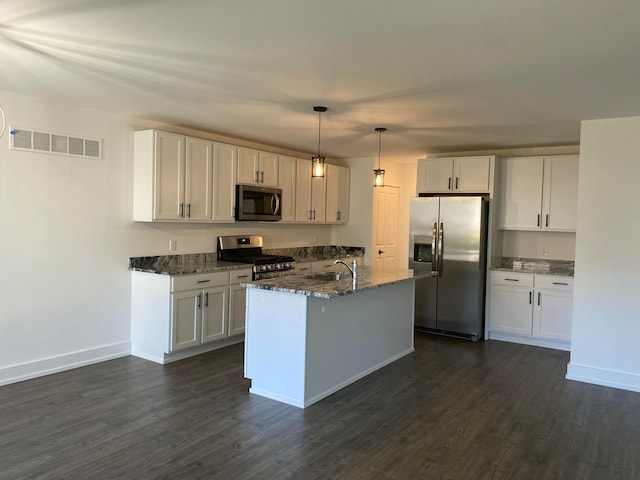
[{"x": 248, "y": 249}]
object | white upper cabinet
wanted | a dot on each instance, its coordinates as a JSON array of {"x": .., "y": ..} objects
[
  {"x": 198, "y": 180},
  {"x": 172, "y": 177},
  {"x": 337, "y": 183},
  {"x": 310, "y": 194},
  {"x": 257, "y": 168},
  {"x": 287, "y": 183},
  {"x": 560, "y": 199},
  {"x": 539, "y": 193},
  {"x": 455, "y": 175},
  {"x": 224, "y": 175}
]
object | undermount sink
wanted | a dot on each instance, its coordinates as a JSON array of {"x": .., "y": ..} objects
[{"x": 328, "y": 276}]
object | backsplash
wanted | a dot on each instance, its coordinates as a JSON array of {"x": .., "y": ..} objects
[
  {"x": 309, "y": 254},
  {"x": 301, "y": 254}
]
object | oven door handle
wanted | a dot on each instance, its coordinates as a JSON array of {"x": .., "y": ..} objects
[{"x": 275, "y": 199}]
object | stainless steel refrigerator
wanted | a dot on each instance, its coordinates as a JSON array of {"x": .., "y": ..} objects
[{"x": 448, "y": 238}]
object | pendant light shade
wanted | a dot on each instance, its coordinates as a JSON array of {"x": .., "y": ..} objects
[
  {"x": 317, "y": 162},
  {"x": 378, "y": 173}
]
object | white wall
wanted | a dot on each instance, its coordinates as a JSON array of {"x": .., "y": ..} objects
[
  {"x": 606, "y": 312},
  {"x": 66, "y": 235},
  {"x": 358, "y": 231},
  {"x": 545, "y": 245}
]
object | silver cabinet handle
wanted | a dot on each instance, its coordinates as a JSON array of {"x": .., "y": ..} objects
[
  {"x": 203, "y": 281},
  {"x": 314, "y": 214},
  {"x": 560, "y": 283},
  {"x": 188, "y": 210},
  {"x": 181, "y": 210},
  {"x": 441, "y": 249},
  {"x": 512, "y": 280},
  {"x": 199, "y": 301},
  {"x": 457, "y": 183},
  {"x": 206, "y": 299},
  {"x": 257, "y": 176},
  {"x": 338, "y": 215},
  {"x": 547, "y": 222},
  {"x": 530, "y": 296},
  {"x": 310, "y": 214},
  {"x": 434, "y": 248},
  {"x": 538, "y": 298},
  {"x": 449, "y": 183},
  {"x": 538, "y": 220},
  {"x": 243, "y": 276},
  {"x": 262, "y": 177}
]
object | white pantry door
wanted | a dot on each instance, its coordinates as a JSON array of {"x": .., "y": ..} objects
[{"x": 385, "y": 226}]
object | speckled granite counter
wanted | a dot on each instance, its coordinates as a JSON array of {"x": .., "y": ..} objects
[
  {"x": 185, "y": 264},
  {"x": 534, "y": 265},
  {"x": 311, "y": 286}
]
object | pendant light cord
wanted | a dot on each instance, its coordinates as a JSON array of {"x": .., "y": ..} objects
[
  {"x": 379, "y": 147},
  {"x": 319, "y": 122}
]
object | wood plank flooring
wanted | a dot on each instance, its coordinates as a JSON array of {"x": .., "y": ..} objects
[{"x": 452, "y": 410}]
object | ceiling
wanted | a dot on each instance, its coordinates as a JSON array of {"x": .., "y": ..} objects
[{"x": 439, "y": 75}]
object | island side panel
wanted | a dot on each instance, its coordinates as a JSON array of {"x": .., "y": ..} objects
[
  {"x": 274, "y": 345},
  {"x": 351, "y": 336}
]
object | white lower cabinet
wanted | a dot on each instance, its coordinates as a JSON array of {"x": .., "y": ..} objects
[
  {"x": 531, "y": 309},
  {"x": 187, "y": 314},
  {"x": 237, "y": 301}
]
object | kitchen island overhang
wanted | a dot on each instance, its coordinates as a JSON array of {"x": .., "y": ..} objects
[{"x": 306, "y": 339}]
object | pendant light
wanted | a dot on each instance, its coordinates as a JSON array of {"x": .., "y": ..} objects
[
  {"x": 378, "y": 173},
  {"x": 317, "y": 162}
]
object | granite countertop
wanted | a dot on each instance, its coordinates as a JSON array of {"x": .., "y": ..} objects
[
  {"x": 534, "y": 265},
  {"x": 186, "y": 264},
  {"x": 321, "y": 252},
  {"x": 368, "y": 278}
]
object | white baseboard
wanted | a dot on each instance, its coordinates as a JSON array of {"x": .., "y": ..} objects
[
  {"x": 533, "y": 341},
  {"x": 189, "y": 352},
  {"x": 604, "y": 377},
  {"x": 60, "y": 363}
]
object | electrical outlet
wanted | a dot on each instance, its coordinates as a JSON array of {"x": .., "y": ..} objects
[
  {"x": 545, "y": 250},
  {"x": 173, "y": 245}
]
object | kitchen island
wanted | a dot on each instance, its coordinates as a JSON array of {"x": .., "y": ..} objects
[{"x": 308, "y": 336}]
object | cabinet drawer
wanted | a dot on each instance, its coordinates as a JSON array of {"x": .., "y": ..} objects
[
  {"x": 205, "y": 280},
  {"x": 513, "y": 279},
  {"x": 239, "y": 276},
  {"x": 554, "y": 282}
]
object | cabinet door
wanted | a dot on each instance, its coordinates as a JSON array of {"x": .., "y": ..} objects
[
  {"x": 553, "y": 312},
  {"x": 287, "y": 182},
  {"x": 214, "y": 314},
  {"x": 198, "y": 180},
  {"x": 268, "y": 169},
  {"x": 337, "y": 191},
  {"x": 224, "y": 180},
  {"x": 521, "y": 187},
  {"x": 303, "y": 191},
  {"x": 168, "y": 176},
  {"x": 560, "y": 188},
  {"x": 421, "y": 176},
  {"x": 185, "y": 319},
  {"x": 318, "y": 199},
  {"x": 438, "y": 175},
  {"x": 471, "y": 174},
  {"x": 511, "y": 310},
  {"x": 248, "y": 166},
  {"x": 237, "y": 309}
]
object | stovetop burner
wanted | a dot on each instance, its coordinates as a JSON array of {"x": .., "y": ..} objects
[{"x": 248, "y": 249}]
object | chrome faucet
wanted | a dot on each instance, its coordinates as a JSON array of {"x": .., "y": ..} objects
[{"x": 353, "y": 268}]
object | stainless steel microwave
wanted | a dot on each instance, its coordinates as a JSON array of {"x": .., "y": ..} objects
[{"x": 256, "y": 203}]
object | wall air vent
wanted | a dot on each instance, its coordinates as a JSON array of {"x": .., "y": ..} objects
[{"x": 56, "y": 143}]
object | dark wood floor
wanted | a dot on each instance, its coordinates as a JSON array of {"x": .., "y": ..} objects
[{"x": 451, "y": 410}]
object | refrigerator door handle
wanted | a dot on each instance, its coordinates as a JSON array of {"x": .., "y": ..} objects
[
  {"x": 440, "y": 248},
  {"x": 434, "y": 249}
]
